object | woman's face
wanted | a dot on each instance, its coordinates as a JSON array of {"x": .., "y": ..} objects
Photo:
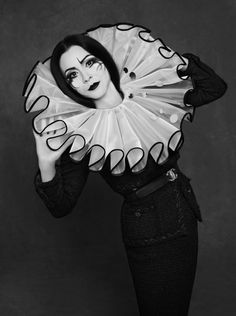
[{"x": 84, "y": 72}]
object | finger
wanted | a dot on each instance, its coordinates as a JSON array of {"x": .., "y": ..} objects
[{"x": 36, "y": 135}]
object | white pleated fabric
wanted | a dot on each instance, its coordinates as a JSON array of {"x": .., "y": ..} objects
[{"x": 147, "y": 121}]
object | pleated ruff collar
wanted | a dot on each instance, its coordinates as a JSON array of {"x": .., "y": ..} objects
[{"x": 147, "y": 121}]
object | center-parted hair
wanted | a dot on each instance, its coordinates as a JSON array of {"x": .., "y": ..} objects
[{"x": 94, "y": 48}]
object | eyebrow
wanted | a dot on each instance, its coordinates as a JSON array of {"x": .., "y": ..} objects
[{"x": 72, "y": 68}]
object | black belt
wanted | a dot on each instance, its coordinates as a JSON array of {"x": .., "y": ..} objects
[{"x": 154, "y": 185}]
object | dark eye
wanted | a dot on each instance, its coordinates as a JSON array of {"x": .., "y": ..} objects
[
  {"x": 90, "y": 62},
  {"x": 71, "y": 76}
]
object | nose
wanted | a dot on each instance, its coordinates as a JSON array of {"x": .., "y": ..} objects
[{"x": 86, "y": 76}]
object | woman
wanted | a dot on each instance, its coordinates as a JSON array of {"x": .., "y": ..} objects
[{"x": 124, "y": 98}]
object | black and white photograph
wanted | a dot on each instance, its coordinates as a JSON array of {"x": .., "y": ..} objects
[{"x": 118, "y": 158}]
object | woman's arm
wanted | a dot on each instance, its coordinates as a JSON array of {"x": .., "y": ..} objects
[
  {"x": 207, "y": 85},
  {"x": 61, "y": 193}
]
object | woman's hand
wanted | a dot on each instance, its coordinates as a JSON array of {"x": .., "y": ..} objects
[
  {"x": 184, "y": 67},
  {"x": 46, "y": 157}
]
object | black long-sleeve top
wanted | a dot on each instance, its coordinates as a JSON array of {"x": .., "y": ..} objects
[{"x": 60, "y": 195}]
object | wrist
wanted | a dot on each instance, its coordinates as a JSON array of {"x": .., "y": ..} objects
[
  {"x": 47, "y": 170},
  {"x": 46, "y": 164}
]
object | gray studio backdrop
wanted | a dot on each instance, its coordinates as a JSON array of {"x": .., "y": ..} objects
[{"x": 76, "y": 265}]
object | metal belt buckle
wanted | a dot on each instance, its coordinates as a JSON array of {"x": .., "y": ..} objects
[{"x": 172, "y": 174}]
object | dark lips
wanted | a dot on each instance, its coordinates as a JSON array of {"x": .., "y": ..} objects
[{"x": 94, "y": 86}]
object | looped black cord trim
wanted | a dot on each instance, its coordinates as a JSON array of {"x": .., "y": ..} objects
[{"x": 32, "y": 78}]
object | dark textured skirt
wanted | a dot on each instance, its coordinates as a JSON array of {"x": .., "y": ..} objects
[{"x": 160, "y": 236}]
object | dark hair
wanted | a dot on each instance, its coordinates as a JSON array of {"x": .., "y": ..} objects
[{"x": 93, "y": 47}]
